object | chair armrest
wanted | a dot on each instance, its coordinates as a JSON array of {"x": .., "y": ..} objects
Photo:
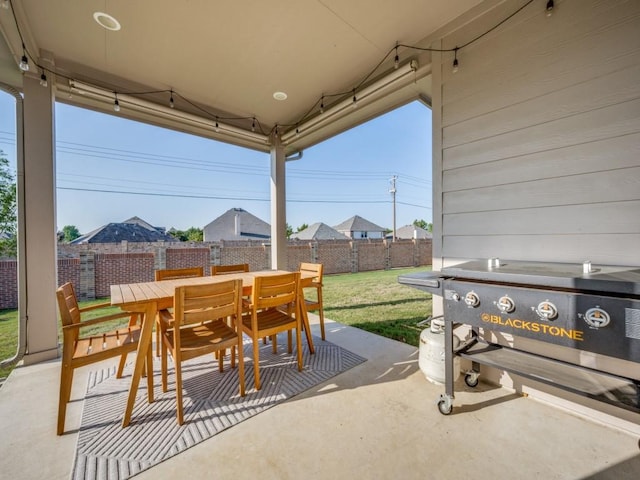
[
  {"x": 96, "y": 321},
  {"x": 166, "y": 318},
  {"x": 94, "y": 307}
]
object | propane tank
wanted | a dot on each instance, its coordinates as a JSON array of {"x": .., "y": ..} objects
[{"x": 431, "y": 358}]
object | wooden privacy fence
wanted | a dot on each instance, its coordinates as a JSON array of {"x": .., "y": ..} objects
[{"x": 93, "y": 268}]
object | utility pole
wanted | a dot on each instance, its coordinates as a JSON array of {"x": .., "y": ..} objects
[{"x": 392, "y": 191}]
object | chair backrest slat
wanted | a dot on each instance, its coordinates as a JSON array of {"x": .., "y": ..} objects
[
  {"x": 275, "y": 290},
  {"x": 173, "y": 273},
  {"x": 212, "y": 301},
  {"x": 313, "y": 268},
  {"x": 225, "y": 269}
]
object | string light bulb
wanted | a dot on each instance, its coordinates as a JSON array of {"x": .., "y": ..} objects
[
  {"x": 396, "y": 60},
  {"x": 171, "y": 104},
  {"x": 24, "y": 61},
  {"x": 354, "y": 104},
  {"x": 297, "y": 131},
  {"x": 43, "y": 80},
  {"x": 550, "y": 7},
  {"x": 455, "y": 60},
  {"x": 116, "y": 104},
  {"x": 322, "y": 104},
  {"x": 217, "y": 129},
  {"x": 253, "y": 125}
]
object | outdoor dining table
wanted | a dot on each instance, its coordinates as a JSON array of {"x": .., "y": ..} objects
[{"x": 148, "y": 298}]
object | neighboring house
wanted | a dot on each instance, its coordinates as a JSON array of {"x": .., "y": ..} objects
[
  {"x": 132, "y": 230},
  {"x": 319, "y": 231},
  {"x": 237, "y": 224},
  {"x": 142, "y": 223},
  {"x": 411, "y": 231},
  {"x": 357, "y": 227}
]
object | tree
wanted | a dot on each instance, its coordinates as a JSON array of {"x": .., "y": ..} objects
[
  {"x": 302, "y": 227},
  {"x": 8, "y": 209},
  {"x": 70, "y": 233},
  {"x": 423, "y": 224},
  {"x": 289, "y": 230},
  {"x": 192, "y": 234}
]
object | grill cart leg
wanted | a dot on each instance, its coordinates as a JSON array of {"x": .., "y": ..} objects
[
  {"x": 445, "y": 402},
  {"x": 471, "y": 376}
]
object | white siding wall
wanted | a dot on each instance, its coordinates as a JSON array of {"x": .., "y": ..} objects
[
  {"x": 537, "y": 140},
  {"x": 541, "y": 135}
]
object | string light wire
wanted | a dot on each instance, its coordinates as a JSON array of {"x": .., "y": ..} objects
[{"x": 320, "y": 102}]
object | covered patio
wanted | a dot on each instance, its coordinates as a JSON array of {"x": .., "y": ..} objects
[
  {"x": 377, "y": 420},
  {"x": 536, "y": 127}
]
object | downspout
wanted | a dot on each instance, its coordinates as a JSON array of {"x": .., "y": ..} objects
[
  {"x": 22, "y": 252},
  {"x": 293, "y": 157}
]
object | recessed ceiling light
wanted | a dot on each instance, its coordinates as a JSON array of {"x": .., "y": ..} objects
[
  {"x": 106, "y": 21},
  {"x": 280, "y": 96}
]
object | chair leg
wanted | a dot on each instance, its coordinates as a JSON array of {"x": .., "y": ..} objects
[
  {"x": 221, "y": 354},
  {"x": 256, "y": 364},
  {"x": 123, "y": 361},
  {"x": 233, "y": 357},
  {"x": 321, "y": 315},
  {"x": 163, "y": 366},
  {"x": 274, "y": 341},
  {"x": 179, "y": 408},
  {"x": 299, "y": 346},
  {"x": 66, "y": 379},
  {"x": 149, "y": 368},
  {"x": 289, "y": 342}
]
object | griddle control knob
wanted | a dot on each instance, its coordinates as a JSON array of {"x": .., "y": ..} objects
[
  {"x": 506, "y": 304},
  {"x": 547, "y": 310},
  {"x": 597, "y": 317},
  {"x": 472, "y": 299}
]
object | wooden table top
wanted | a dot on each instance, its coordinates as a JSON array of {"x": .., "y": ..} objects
[{"x": 163, "y": 291}]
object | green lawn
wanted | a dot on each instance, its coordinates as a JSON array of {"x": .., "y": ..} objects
[{"x": 372, "y": 301}]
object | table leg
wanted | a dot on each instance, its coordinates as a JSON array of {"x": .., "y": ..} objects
[
  {"x": 141, "y": 356},
  {"x": 305, "y": 324}
]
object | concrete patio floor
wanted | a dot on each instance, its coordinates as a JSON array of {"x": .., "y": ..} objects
[{"x": 378, "y": 420}]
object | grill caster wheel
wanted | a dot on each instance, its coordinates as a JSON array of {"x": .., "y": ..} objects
[
  {"x": 471, "y": 379},
  {"x": 445, "y": 405}
]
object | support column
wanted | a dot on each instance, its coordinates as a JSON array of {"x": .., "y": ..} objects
[
  {"x": 39, "y": 210},
  {"x": 278, "y": 207}
]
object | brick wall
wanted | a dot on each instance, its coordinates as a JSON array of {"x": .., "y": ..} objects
[
  {"x": 336, "y": 256},
  {"x": 114, "y": 268},
  {"x": 8, "y": 284},
  {"x": 188, "y": 257},
  {"x": 69, "y": 271},
  {"x": 256, "y": 254},
  {"x": 372, "y": 255},
  {"x": 93, "y": 270},
  {"x": 402, "y": 253}
]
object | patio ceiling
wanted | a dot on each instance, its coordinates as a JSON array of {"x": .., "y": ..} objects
[{"x": 227, "y": 58}]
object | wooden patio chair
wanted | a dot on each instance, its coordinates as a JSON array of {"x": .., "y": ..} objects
[
  {"x": 78, "y": 351},
  {"x": 226, "y": 269},
  {"x": 172, "y": 274},
  {"x": 199, "y": 326},
  {"x": 314, "y": 303},
  {"x": 273, "y": 308}
]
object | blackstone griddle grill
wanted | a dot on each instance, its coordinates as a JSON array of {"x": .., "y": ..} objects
[{"x": 587, "y": 307}]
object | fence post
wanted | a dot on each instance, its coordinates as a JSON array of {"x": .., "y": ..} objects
[
  {"x": 354, "y": 257},
  {"x": 87, "y": 285},
  {"x": 160, "y": 257},
  {"x": 215, "y": 254},
  {"x": 387, "y": 254},
  {"x": 314, "y": 252}
]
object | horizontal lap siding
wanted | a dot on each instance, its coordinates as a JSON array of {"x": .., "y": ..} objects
[{"x": 541, "y": 136}]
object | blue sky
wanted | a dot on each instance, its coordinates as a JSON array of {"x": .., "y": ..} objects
[{"x": 172, "y": 179}]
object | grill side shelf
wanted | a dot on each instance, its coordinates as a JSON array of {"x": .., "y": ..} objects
[{"x": 619, "y": 391}]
